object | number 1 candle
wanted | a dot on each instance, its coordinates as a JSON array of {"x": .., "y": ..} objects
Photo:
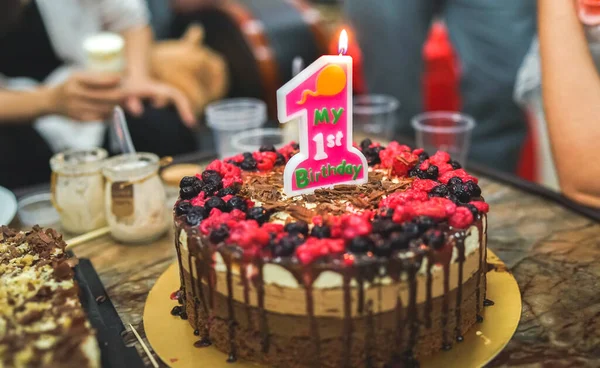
[{"x": 320, "y": 98}]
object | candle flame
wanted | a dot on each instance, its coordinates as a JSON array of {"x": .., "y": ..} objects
[{"x": 343, "y": 42}]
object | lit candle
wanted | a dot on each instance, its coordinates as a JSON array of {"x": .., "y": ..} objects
[{"x": 320, "y": 98}]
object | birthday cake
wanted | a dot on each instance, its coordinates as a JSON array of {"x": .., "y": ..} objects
[{"x": 383, "y": 272}]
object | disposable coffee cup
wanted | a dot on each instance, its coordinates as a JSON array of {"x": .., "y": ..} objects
[{"x": 105, "y": 52}]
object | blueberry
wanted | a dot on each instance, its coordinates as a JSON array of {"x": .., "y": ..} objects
[
  {"x": 227, "y": 191},
  {"x": 460, "y": 192},
  {"x": 398, "y": 241},
  {"x": 299, "y": 227},
  {"x": 287, "y": 245},
  {"x": 212, "y": 177},
  {"x": 183, "y": 208},
  {"x": 382, "y": 248},
  {"x": 455, "y": 165},
  {"x": 414, "y": 172},
  {"x": 424, "y": 223},
  {"x": 423, "y": 156},
  {"x": 473, "y": 189},
  {"x": 260, "y": 214},
  {"x": 215, "y": 202},
  {"x": 411, "y": 229},
  {"x": 434, "y": 239},
  {"x": 280, "y": 159},
  {"x": 360, "y": 244},
  {"x": 219, "y": 234},
  {"x": 321, "y": 231},
  {"x": 249, "y": 164},
  {"x": 439, "y": 191},
  {"x": 385, "y": 226},
  {"x": 372, "y": 155},
  {"x": 188, "y": 181},
  {"x": 195, "y": 215},
  {"x": 267, "y": 148},
  {"x": 365, "y": 143},
  {"x": 209, "y": 189},
  {"x": 455, "y": 180},
  {"x": 472, "y": 208},
  {"x": 190, "y": 192},
  {"x": 247, "y": 155},
  {"x": 295, "y": 146},
  {"x": 432, "y": 172},
  {"x": 237, "y": 203}
]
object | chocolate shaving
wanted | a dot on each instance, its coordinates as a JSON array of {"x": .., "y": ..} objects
[{"x": 301, "y": 213}]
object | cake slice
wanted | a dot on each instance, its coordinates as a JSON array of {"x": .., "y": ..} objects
[{"x": 42, "y": 322}]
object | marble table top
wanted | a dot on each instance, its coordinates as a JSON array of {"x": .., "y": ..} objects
[{"x": 553, "y": 252}]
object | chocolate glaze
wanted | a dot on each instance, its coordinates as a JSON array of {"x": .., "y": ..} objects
[
  {"x": 232, "y": 323},
  {"x": 428, "y": 303},
  {"x": 488, "y": 303},
  {"x": 459, "y": 243},
  {"x": 264, "y": 326},
  {"x": 346, "y": 362},
  {"x": 480, "y": 270}
]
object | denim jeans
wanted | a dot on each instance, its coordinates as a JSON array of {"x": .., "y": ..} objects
[{"x": 491, "y": 38}]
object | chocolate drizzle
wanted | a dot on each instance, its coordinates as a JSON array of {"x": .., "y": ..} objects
[
  {"x": 429, "y": 287},
  {"x": 264, "y": 326},
  {"x": 246, "y": 286},
  {"x": 231, "y": 318},
  {"x": 445, "y": 307},
  {"x": 412, "y": 315},
  {"x": 348, "y": 329},
  {"x": 480, "y": 271},
  {"x": 460, "y": 247}
]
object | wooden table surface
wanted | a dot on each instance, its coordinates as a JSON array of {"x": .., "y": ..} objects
[{"x": 553, "y": 252}]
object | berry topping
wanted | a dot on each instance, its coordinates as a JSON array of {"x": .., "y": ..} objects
[
  {"x": 249, "y": 164},
  {"x": 439, "y": 191},
  {"x": 267, "y": 148},
  {"x": 399, "y": 241},
  {"x": 188, "y": 181},
  {"x": 365, "y": 143},
  {"x": 237, "y": 203},
  {"x": 411, "y": 229},
  {"x": 195, "y": 215},
  {"x": 462, "y": 195},
  {"x": 440, "y": 157},
  {"x": 227, "y": 191},
  {"x": 315, "y": 248},
  {"x": 212, "y": 177},
  {"x": 423, "y": 156},
  {"x": 385, "y": 226},
  {"x": 385, "y": 213},
  {"x": 382, "y": 248},
  {"x": 455, "y": 165},
  {"x": 189, "y": 192},
  {"x": 216, "y": 202},
  {"x": 425, "y": 185},
  {"x": 481, "y": 206},
  {"x": 183, "y": 208},
  {"x": 360, "y": 245},
  {"x": 473, "y": 189},
  {"x": 321, "y": 232},
  {"x": 209, "y": 189},
  {"x": 424, "y": 223},
  {"x": 434, "y": 239},
  {"x": 472, "y": 208},
  {"x": 219, "y": 234},
  {"x": 287, "y": 245},
  {"x": 455, "y": 181},
  {"x": 299, "y": 227},
  {"x": 461, "y": 219},
  {"x": 280, "y": 159},
  {"x": 260, "y": 214},
  {"x": 431, "y": 173}
]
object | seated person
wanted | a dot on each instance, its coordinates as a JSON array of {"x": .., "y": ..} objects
[
  {"x": 42, "y": 48},
  {"x": 571, "y": 95}
]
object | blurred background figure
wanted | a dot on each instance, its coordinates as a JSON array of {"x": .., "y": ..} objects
[{"x": 491, "y": 38}]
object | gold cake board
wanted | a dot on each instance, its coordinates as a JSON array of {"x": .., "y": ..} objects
[{"x": 173, "y": 339}]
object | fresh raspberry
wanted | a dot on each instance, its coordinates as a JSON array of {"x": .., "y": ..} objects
[
  {"x": 237, "y": 159},
  {"x": 400, "y": 198},
  {"x": 335, "y": 223},
  {"x": 288, "y": 150},
  {"x": 428, "y": 208},
  {"x": 227, "y": 197},
  {"x": 216, "y": 218},
  {"x": 349, "y": 259},
  {"x": 355, "y": 225},
  {"x": 424, "y": 165},
  {"x": 388, "y": 155},
  {"x": 482, "y": 207},
  {"x": 403, "y": 163},
  {"x": 265, "y": 161},
  {"x": 401, "y": 215},
  {"x": 440, "y": 157},
  {"x": 273, "y": 228},
  {"x": 317, "y": 220},
  {"x": 461, "y": 219},
  {"x": 199, "y": 200},
  {"x": 247, "y": 234},
  {"x": 231, "y": 174},
  {"x": 315, "y": 248},
  {"x": 448, "y": 205},
  {"x": 238, "y": 215},
  {"x": 444, "y": 168},
  {"x": 460, "y": 173},
  {"x": 425, "y": 185},
  {"x": 418, "y": 151}
]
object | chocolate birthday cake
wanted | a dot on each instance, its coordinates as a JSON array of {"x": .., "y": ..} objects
[
  {"x": 42, "y": 322},
  {"x": 377, "y": 274}
]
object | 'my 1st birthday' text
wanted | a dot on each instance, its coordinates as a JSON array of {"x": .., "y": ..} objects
[{"x": 305, "y": 177}]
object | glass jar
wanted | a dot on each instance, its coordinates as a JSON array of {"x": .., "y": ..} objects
[
  {"x": 77, "y": 189},
  {"x": 135, "y": 198}
]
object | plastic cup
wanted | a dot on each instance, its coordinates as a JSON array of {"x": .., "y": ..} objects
[
  {"x": 444, "y": 131},
  {"x": 375, "y": 115},
  {"x": 231, "y": 116},
  {"x": 252, "y": 140}
]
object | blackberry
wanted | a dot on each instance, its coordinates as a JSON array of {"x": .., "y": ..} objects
[
  {"x": 414, "y": 172},
  {"x": 455, "y": 180},
  {"x": 360, "y": 245},
  {"x": 212, "y": 177},
  {"x": 439, "y": 191},
  {"x": 434, "y": 239},
  {"x": 249, "y": 164},
  {"x": 299, "y": 227},
  {"x": 182, "y": 208},
  {"x": 260, "y": 214},
  {"x": 227, "y": 191},
  {"x": 381, "y": 247},
  {"x": 455, "y": 165},
  {"x": 432, "y": 172},
  {"x": 473, "y": 209},
  {"x": 280, "y": 159},
  {"x": 365, "y": 143},
  {"x": 267, "y": 148},
  {"x": 188, "y": 181},
  {"x": 385, "y": 226},
  {"x": 287, "y": 245},
  {"x": 247, "y": 155},
  {"x": 398, "y": 241},
  {"x": 237, "y": 203},
  {"x": 195, "y": 215},
  {"x": 219, "y": 234},
  {"x": 411, "y": 229},
  {"x": 209, "y": 189},
  {"x": 459, "y": 190},
  {"x": 295, "y": 146},
  {"x": 191, "y": 191},
  {"x": 473, "y": 189},
  {"x": 321, "y": 231},
  {"x": 423, "y": 156},
  {"x": 424, "y": 223},
  {"x": 372, "y": 155},
  {"x": 215, "y": 202}
]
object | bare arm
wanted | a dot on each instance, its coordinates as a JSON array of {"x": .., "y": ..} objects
[
  {"x": 138, "y": 41},
  {"x": 25, "y": 106},
  {"x": 571, "y": 93}
]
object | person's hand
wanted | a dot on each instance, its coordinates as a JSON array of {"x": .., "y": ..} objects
[
  {"x": 87, "y": 96},
  {"x": 160, "y": 94}
]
